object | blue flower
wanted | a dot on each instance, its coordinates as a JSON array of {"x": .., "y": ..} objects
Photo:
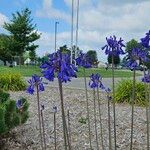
[
  {"x": 55, "y": 109},
  {"x": 146, "y": 78},
  {"x": 42, "y": 107},
  {"x": 136, "y": 56},
  {"x": 59, "y": 64},
  {"x": 34, "y": 82},
  {"x": 19, "y": 104},
  {"x": 96, "y": 81},
  {"x": 113, "y": 46},
  {"x": 83, "y": 60},
  {"x": 146, "y": 40}
]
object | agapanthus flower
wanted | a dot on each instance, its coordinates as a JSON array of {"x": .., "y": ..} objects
[
  {"x": 113, "y": 47},
  {"x": 96, "y": 81},
  {"x": 19, "y": 104},
  {"x": 146, "y": 40},
  {"x": 136, "y": 56},
  {"x": 83, "y": 60},
  {"x": 34, "y": 82},
  {"x": 146, "y": 78},
  {"x": 55, "y": 109},
  {"x": 42, "y": 107},
  {"x": 59, "y": 65}
]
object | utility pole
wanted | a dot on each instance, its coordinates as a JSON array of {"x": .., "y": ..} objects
[
  {"x": 56, "y": 23},
  {"x": 77, "y": 27},
  {"x": 72, "y": 27}
]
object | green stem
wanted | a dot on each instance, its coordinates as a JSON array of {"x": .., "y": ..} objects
[
  {"x": 44, "y": 138},
  {"x": 113, "y": 99},
  {"x": 87, "y": 107},
  {"x": 65, "y": 130},
  {"x": 95, "y": 119},
  {"x": 55, "y": 130},
  {"x": 100, "y": 118},
  {"x": 132, "y": 113},
  {"x": 38, "y": 102},
  {"x": 109, "y": 124}
]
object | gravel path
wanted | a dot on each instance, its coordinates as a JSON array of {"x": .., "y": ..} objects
[{"x": 26, "y": 137}]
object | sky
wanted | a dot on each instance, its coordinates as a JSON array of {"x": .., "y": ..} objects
[{"x": 98, "y": 19}]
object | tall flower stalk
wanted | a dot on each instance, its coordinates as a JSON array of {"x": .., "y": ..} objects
[
  {"x": 55, "y": 133},
  {"x": 100, "y": 118},
  {"x": 145, "y": 42},
  {"x": 43, "y": 126},
  {"x": 136, "y": 56},
  {"x": 114, "y": 48},
  {"x": 59, "y": 65},
  {"x": 84, "y": 61},
  {"x": 95, "y": 82},
  {"x": 36, "y": 83}
]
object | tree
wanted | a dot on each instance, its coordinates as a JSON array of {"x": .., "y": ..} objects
[
  {"x": 116, "y": 59},
  {"x": 32, "y": 55},
  {"x": 5, "y": 54},
  {"x": 93, "y": 57},
  {"x": 132, "y": 44},
  {"x": 22, "y": 32}
]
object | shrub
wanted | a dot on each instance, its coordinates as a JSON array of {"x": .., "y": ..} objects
[
  {"x": 12, "y": 82},
  {"x": 123, "y": 92},
  {"x": 3, "y": 96},
  {"x": 12, "y": 116}
]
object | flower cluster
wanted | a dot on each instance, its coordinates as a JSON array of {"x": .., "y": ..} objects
[
  {"x": 83, "y": 60},
  {"x": 58, "y": 64},
  {"x": 113, "y": 46},
  {"x": 146, "y": 40},
  {"x": 146, "y": 78},
  {"x": 19, "y": 104},
  {"x": 137, "y": 55},
  {"x": 34, "y": 82},
  {"x": 96, "y": 81}
]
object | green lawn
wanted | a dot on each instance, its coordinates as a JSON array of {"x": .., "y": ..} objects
[{"x": 29, "y": 71}]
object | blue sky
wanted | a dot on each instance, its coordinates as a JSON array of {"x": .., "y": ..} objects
[{"x": 97, "y": 19}]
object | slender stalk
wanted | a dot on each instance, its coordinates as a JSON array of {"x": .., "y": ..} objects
[
  {"x": 95, "y": 119},
  {"x": 87, "y": 107},
  {"x": 55, "y": 130},
  {"x": 65, "y": 130},
  {"x": 44, "y": 138},
  {"x": 147, "y": 110},
  {"x": 100, "y": 118},
  {"x": 109, "y": 124},
  {"x": 69, "y": 128},
  {"x": 113, "y": 99},
  {"x": 132, "y": 113},
  {"x": 38, "y": 102}
]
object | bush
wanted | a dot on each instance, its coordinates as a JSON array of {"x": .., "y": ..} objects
[
  {"x": 3, "y": 96},
  {"x": 12, "y": 116},
  {"x": 123, "y": 92},
  {"x": 12, "y": 82}
]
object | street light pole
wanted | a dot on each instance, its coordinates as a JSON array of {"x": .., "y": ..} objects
[
  {"x": 77, "y": 26},
  {"x": 72, "y": 27},
  {"x": 56, "y": 23}
]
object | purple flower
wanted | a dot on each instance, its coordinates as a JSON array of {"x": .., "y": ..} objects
[
  {"x": 113, "y": 46},
  {"x": 146, "y": 78},
  {"x": 34, "y": 82},
  {"x": 55, "y": 109},
  {"x": 137, "y": 55},
  {"x": 96, "y": 81},
  {"x": 19, "y": 104},
  {"x": 42, "y": 107},
  {"x": 59, "y": 64},
  {"x": 83, "y": 60},
  {"x": 146, "y": 40}
]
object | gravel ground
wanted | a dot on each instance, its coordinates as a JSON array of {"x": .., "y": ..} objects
[{"x": 26, "y": 137}]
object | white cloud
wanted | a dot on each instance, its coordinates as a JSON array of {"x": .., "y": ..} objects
[
  {"x": 49, "y": 12},
  {"x": 3, "y": 19},
  {"x": 98, "y": 19}
]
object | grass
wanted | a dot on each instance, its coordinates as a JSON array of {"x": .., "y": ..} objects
[{"x": 30, "y": 70}]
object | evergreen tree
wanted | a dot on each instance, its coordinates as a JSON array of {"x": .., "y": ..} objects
[{"x": 22, "y": 32}]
